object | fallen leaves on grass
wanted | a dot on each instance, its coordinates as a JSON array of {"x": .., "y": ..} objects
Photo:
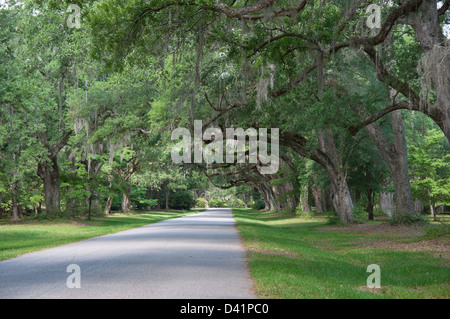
[
  {"x": 255, "y": 248},
  {"x": 393, "y": 237}
]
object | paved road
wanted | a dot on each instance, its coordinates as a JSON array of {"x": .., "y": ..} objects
[{"x": 196, "y": 256}]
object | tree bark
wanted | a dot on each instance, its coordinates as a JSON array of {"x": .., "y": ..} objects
[
  {"x": 108, "y": 205},
  {"x": 418, "y": 206},
  {"x": 304, "y": 199},
  {"x": 433, "y": 211},
  {"x": 329, "y": 200},
  {"x": 395, "y": 156},
  {"x": 342, "y": 200},
  {"x": 403, "y": 195},
  {"x": 126, "y": 204},
  {"x": 158, "y": 205},
  {"x": 167, "y": 190},
  {"x": 49, "y": 172},
  {"x": 318, "y": 199},
  {"x": 15, "y": 205},
  {"x": 387, "y": 203},
  {"x": 50, "y": 175}
]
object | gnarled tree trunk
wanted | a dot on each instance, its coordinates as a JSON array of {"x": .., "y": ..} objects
[
  {"x": 126, "y": 204},
  {"x": 318, "y": 199},
  {"x": 342, "y": 200},
  {"x": 50, "y": 175}
]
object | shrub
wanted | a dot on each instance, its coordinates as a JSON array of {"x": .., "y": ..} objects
[
  {"x": 259, "y": 204},
  {"x": 144, "y": 203},
  {"x": 301, "y": 213},
  {"x": 201, "y": 203},
  {"x": 360, "y": 215},
  {"x": 181, "y": 200},
  {"x": 216, "y": 203},
  {"x": 239, "y": 203}
]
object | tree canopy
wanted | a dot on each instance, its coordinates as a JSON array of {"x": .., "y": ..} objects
[{"x": 357, "y": 91}]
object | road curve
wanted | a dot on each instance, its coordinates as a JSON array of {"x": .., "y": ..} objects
[{"x": 191, "y": 257}]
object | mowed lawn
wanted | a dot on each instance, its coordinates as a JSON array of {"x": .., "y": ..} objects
[
  {"x": 21, "y": 237},
  {"x": 292, "y": 258}
]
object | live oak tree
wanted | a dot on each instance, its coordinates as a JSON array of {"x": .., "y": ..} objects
[{"x": 259, "y": 38}]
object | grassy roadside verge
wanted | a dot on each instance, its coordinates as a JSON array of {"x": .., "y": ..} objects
[
  {"x": 18, "y": 238},
  {"x": 293, "y": 258}
]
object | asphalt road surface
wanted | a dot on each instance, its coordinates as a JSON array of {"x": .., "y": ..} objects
[{"x": 196, "y": 256}]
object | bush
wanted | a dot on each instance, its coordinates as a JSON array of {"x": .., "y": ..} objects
[
  {"x": 360, "y": 215},
  {"x": 181, "y": 200},
  {"x": 201, "y": 203},
  {"x": 217, "y": 203},
  {"x": 301, "y": 213},
  {"x": 334, "y": 220},
  {"x": 239, "y": 203},
  {"x": 259, "y": 204},
  {"x": 144, "y": 203}
]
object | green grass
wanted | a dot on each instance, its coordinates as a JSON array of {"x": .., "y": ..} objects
[
  {"x": 294, "y": 258},
  {"x": 17, "y": 238}
]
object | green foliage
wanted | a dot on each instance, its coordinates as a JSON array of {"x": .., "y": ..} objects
[
  {"x": 430, "y": 163},
  {"x": 137, "y": 70},
  {"x": 238, "y": 203},
  {"x": 201, "y": 202},
  {"x": 217, "y": 203},
  {"x": 258, "y": 204},
  {"x": 302, "y": 214},
  {"x": 359, "y": 214},
  {"x": 181, "y": 200}
]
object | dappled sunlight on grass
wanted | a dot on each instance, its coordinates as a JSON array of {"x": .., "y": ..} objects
[{"x": 291, "y": 257}]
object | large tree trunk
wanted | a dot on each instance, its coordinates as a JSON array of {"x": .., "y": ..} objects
[
  {"x": 395, "y": 156},
  {"x": 126, "y": 205},
  {"x": 50, "y": 175},
  {"x": 49, "y": 172},
  {"x": 342, "y": 200},
  {"x": 318, "y": 199},
  {"x": 418, "y": 206},
  {"x": 399, "y": 169},
  {"x": 387, "y": 203},
  {"x": 267, "y": 195},
  {"x": 329, "y": 200},
  {"x": 304, "y": 199},
  {"x": 433, "y": 211},
  {"x": 108, "y": 205}
]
